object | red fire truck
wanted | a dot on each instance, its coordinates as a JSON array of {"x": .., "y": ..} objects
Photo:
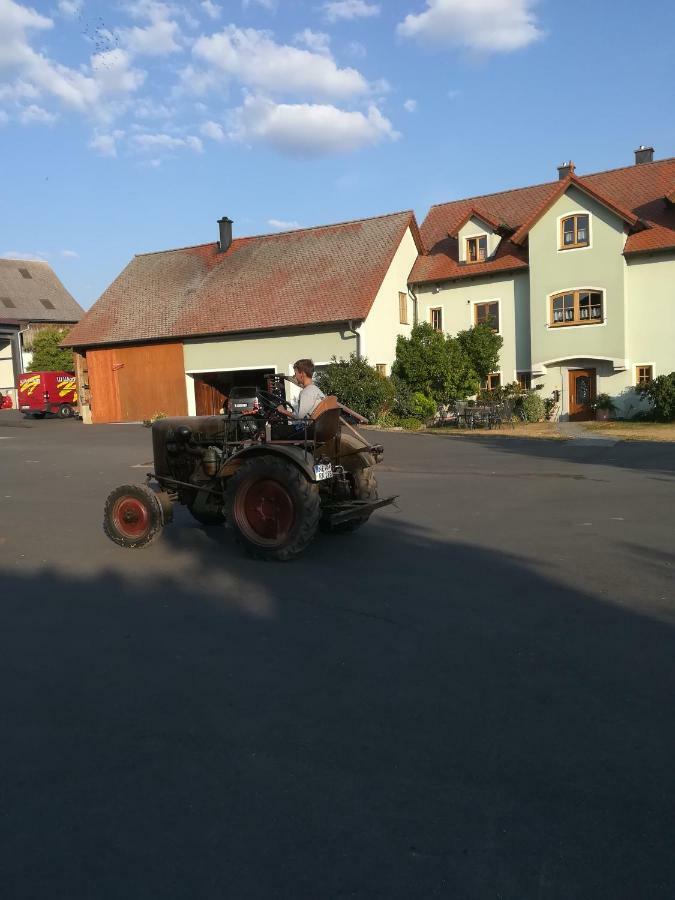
[{"x": 48, "y": 392}]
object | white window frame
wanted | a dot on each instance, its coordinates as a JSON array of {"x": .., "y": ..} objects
[
  {"x": 569, "y": 290},
  {"x": 441, "y": 330},
  {"x": 558, "y": 225}
]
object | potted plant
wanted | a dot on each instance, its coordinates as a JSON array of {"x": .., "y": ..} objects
[{"x": 604, "y": 406}]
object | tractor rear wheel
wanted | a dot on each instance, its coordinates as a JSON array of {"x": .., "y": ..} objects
[
  {"x": 273, "y": 508},
  {"x": 132, "y": 516},
  {"x": 364, "y": 487}
]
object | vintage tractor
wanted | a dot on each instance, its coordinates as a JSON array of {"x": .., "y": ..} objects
[{"x": 274, "y": 481}]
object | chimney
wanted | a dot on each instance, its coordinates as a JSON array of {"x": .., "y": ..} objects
[
  {"x": 565, "y": 170},
  {"x": 644, "y": 155},
  {"x": 225, "y": 226}
]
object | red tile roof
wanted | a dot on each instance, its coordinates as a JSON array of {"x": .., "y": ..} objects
[
  {"x": 634, "y": 193},
  {"x": 322, "y": 275}
]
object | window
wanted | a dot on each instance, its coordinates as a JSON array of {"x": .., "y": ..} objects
[
  {"x": 47, "y": 304},
  {"x": 476, "y": 249},
  {"x": 574, "y": 232},
  {"x": 25, "y": 273},
  {"x": 493, "y": 381},
  {"x": 524, "y": 380},
  {"x": 436, "y": 318},
  {"x": 403, "y": 308},
  {"x": 487, "y": 314},
  {"x": 10, "y": 304},
  {"x": 381, "y": 369},
  {"x": 576, "y": 308},
  {"x": 643, "y": 375}
]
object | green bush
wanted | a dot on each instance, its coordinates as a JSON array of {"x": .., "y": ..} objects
[
  {"x": 410, "y": 424},
  {"x": 358, "y": 385},
  {"x": 422, "y": 407},
  {"x": 533, "y": 407},
  {"x": 661, "y": 395}
]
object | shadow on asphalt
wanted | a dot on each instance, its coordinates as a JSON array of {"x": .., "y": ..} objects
[
  {"x": 643, "y": 456},
  {"x": 409, "y": 718}
]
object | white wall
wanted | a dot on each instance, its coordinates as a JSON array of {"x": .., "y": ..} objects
[{"x": 382, "y": 327}]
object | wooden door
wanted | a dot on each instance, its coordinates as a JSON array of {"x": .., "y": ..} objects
[
  {"x": 208, "y": 399},
  {"x": 582, "y": 394}
]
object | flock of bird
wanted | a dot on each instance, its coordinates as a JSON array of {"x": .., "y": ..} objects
[{"x": 102, "y": 37}]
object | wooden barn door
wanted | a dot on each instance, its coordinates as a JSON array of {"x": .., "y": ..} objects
[{"x": 208, "y": 399}]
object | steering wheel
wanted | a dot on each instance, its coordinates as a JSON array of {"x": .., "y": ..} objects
[{"x": 270, "y": 402}]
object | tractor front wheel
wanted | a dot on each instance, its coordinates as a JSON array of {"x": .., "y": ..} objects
[
  {"x": 273, "y": 508},
  {"x": 132, "y": 516}
]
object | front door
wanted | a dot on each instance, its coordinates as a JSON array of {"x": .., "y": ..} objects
[{"x": 582, "y": 394}]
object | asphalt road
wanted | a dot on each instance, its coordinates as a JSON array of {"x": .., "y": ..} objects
[{"x": 473, "y": 698}]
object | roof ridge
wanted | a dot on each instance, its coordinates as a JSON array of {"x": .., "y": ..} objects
[
  {"x": 270, "y": 234},
  {"x": 529, "y": 187}
]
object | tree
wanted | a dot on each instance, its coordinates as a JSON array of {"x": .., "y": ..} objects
[
  {"x": 482, "y": 346},
  {"x": 357, "y": 385},
  {"x": 434, "y": 365},
  {"x": 47, "y": 355}
]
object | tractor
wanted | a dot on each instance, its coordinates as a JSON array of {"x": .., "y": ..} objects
[{"x": 274, "y": 481}]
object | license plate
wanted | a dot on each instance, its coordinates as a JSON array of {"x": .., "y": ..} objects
[
  {"x": 240, "y": 405},
  {"x": 323, "y": 471}
]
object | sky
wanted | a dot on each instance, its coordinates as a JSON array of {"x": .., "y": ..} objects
[{"x": 133, "y": 125}]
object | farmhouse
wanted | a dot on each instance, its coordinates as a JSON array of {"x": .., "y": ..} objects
[
  {"x": 177, "y": 329},
  {"x": 577, "y": 275}
]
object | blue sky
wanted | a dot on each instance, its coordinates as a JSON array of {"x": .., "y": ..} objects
[{"x": 133, "y": 126}]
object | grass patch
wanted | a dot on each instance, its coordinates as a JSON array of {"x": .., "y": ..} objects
[
  {"x": 634, "y": 431},
  {"x": 546, "y": 430}
]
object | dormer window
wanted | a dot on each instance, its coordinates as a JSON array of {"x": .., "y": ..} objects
[
  {"x": 574, "y": 232},
  {"x": 476, "y": 249}
]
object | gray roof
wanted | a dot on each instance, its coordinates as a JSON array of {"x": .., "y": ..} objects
[{"x": 25, "y": 283}]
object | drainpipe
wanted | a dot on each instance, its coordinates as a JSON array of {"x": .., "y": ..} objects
[
  {"x": 414, "y": 300},
  {"x": 357, "y": 335}
]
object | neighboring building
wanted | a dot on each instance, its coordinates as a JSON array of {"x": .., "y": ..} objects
[
  {"x": 31, "y": 298},
  {"x": 577, "y": 275},
  {"x": 177, "y": 329}
]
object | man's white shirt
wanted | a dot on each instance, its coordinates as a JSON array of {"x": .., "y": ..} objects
[{"x": 307, "y": 401}]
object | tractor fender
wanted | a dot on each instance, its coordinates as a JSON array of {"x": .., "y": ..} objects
[
  {"x": 304, "y": 461},
  {"x": 354, "y": 453}
]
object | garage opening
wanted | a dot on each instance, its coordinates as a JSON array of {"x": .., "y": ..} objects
[{"x": 212, "y": 389}]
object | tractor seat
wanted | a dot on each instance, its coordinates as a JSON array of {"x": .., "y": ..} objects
[{"x": 326, "y": 418}]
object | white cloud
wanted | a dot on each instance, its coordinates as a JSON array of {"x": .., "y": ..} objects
[
  {"x": 282, "y": 225},
  {"x": 357, "y": 50},
  {"x": 316, "y": 41},
  {"x": 70, "y": 254},
  {"x": 212, "y": 130},
  {"x": 167, "y": 142},
  {"x": 410, "y": 106},
  {"x": 146, "y": 108},
  {"x": 87, "y": 89},
  {"x": 20, "y": 254},
  {"x": 211, "y": 9},
  {"x": 158, "y": 38},
  {"x": 105, "y": 144},
  {"x": 257, "y": 61},
  {"x": 308, "y": 130},
  {"x": 195, "y": 82},
  {"x": 269, "y": 5},
  {"x": 18, "y": 90},
  {"x": 34, "y": 114},
  {"x": 70, "y": 8},
  {"x": 483, "y": 25},
  {"x": 349, "y": 9},
  {"x": 4, "y": 118}
]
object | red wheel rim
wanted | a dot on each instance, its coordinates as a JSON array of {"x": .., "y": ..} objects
[
  {"x": 264, "y": 512},
  {"x": 131, "y": 517}
]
